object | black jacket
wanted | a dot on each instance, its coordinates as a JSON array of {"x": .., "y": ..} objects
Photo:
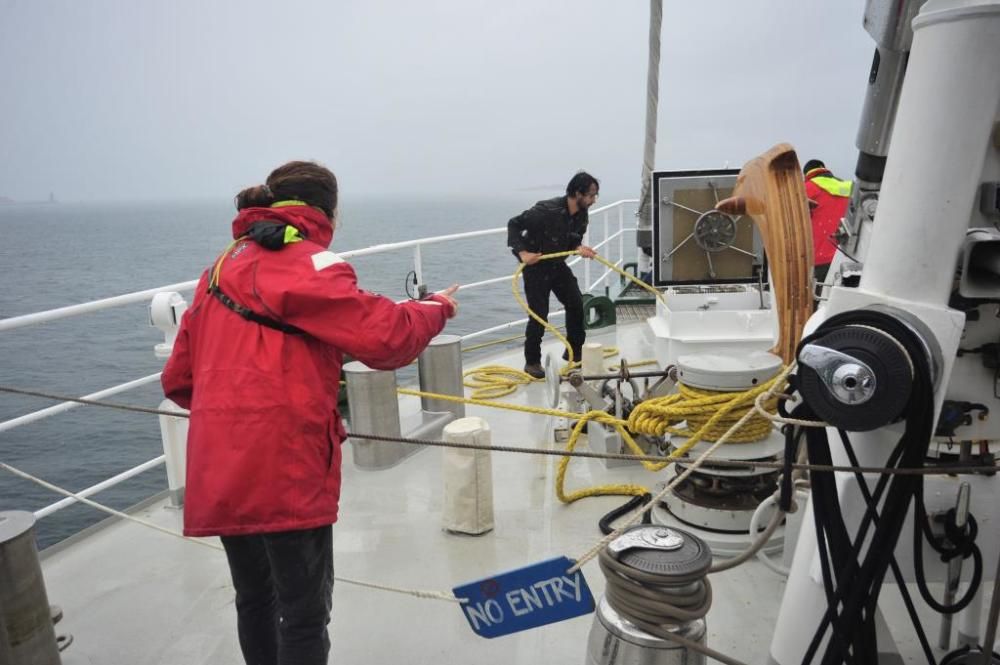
[{"x": 547, "y": 227}]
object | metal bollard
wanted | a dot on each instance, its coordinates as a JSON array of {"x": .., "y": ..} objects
[
  {"x": 440, "y": 371},
  {"x": 371, "y": 394},
  {"x": 26, "y": 633}
]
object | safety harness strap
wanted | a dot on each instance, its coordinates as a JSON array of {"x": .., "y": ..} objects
[{"x": 253, "y": 316}]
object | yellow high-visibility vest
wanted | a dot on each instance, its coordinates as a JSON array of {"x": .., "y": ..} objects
[{"x": 832, "y": 185}]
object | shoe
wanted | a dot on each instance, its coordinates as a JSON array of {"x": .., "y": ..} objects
[{"x": 534, "y": 370}]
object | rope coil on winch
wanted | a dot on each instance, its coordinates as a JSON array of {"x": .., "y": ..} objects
[
  {"x": 707, "y": 414},
  {"x": 651, "y": 600}
]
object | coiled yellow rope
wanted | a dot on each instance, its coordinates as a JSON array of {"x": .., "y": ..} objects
[
  {"x": 556, "y": 255},
  {"x": 493, "y": 381},
  {"x": 699, "y": 410},
  {"x": 652, "y": 417},
  {"x": 706, "y": 414}
]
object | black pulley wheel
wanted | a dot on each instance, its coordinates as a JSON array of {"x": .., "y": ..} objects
[{"x": 893, "y": 379}]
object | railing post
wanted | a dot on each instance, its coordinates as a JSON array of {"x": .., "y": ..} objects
[
  {"x": 606, "y": 235},
  {"x": 418, "y": 271},
  {"x": 621, "y": 234}
]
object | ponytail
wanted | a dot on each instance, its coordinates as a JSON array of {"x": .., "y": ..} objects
[{"x": 258, "y": 196}]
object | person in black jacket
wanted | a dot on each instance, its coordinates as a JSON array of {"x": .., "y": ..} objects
[{"x": 550, "y": 226}]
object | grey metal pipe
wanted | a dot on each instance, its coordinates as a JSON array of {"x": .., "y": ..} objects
[
  {"x": 644, "y": 235},
  {"x": 954, "y": 567},
  {"x": 374, "y": 409},
  {"x": 990, "y": 638},
  {"x": 440, "y": 371},
  {"x": 878, "y": 115},
  {"x": 26, "y": 633}
]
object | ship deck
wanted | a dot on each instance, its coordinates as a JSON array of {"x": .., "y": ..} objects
[{"x": 134, "y": 596}]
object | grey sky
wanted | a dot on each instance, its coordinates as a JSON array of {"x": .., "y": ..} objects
[{"x": 139, "y": 99}]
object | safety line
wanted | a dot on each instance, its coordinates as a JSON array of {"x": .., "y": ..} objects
[
  {"x": 734, "y": 463},
  {"x": 418, "y": 593}
]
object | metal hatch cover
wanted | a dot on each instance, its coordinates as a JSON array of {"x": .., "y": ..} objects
[{"x": 692, "y": 242}]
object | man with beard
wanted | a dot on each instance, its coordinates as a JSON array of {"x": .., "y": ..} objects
[{"x": 551, "y": 226}]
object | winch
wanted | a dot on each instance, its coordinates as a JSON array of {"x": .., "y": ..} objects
[
  {"x": 655, "y": 601},
  {"x": 716, "y": 498}
]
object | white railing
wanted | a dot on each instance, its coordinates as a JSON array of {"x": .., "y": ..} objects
[{"x": 36, "y": 318}]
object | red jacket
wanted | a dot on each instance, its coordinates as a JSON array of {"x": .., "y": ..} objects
[
  {"x": 263, "y": 449},
  {"x": 831, "y": 196}
]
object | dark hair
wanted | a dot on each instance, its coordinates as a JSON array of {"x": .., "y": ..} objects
[
  {"x": 813, "y": 164},
  {"x": 580, "y": 183},
  {"x": 309, "y": 182}
]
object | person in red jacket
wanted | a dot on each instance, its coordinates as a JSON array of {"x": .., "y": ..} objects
[
  {"x": 828, "y": 198},
  {"x": 257, "y": 361}
]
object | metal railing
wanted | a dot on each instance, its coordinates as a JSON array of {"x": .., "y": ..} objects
[{"x": 36, "y": 318}]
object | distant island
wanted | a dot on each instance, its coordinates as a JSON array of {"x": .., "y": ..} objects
[{"x": 6, "y": 200}]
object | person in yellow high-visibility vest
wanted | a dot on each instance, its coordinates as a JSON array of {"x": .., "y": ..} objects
[{"x": 828, "y": 199}]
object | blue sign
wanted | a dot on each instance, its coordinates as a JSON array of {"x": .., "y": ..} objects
[{"x": 539, "y": 594}]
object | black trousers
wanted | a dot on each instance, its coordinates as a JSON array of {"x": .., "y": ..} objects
[
  {"x": 284, "y": 593},
  {"x": 540, "y": 280}
]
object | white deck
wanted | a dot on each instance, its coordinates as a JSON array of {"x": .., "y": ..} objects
[{"x": 133, "y": 596}]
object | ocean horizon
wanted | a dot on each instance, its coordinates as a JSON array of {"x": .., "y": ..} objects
[{"x": 59, "y": 254}]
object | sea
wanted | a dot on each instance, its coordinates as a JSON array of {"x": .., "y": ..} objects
[{"x": 58, "y": 254}]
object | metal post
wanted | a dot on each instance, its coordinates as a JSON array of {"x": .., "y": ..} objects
[
  {"x": 440, "y": 371},
  {"x": 947, "y": 108},
  {"x": 606, "y": 235},
  {"x": 418, "y": 271},
  {"x": 954, "y": 567},
  {"x": 26, "y": 633},
  {"x": 374, "y": 409},
  {"x": 991, "y": 623},
  {"x": 621, "y": 235}
]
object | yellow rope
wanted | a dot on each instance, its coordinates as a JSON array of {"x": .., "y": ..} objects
[
  {"x": 707, "y": 415},
  {"x": 493, "y": 381},
  {"x": 711, "y": 413},
  {"x": 545, "y": 324}
]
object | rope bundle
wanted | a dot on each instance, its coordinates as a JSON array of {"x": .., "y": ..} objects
[{"x": 707, "y": 414}]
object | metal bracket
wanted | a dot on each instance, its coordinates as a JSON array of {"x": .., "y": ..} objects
[
  {"x": 848, "y": 379},
  {"x": 647, "y": 538}
]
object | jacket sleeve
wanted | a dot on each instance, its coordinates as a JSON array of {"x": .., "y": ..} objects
[
  {"x": 520, "y": 227},
  {"x": 812, "y": 194},
  {"x": 177, "y": 378},
  {"x": 374, "y": 329}
]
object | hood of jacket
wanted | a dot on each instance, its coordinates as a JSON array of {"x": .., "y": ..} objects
[{"x": 311, "y": 222}]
